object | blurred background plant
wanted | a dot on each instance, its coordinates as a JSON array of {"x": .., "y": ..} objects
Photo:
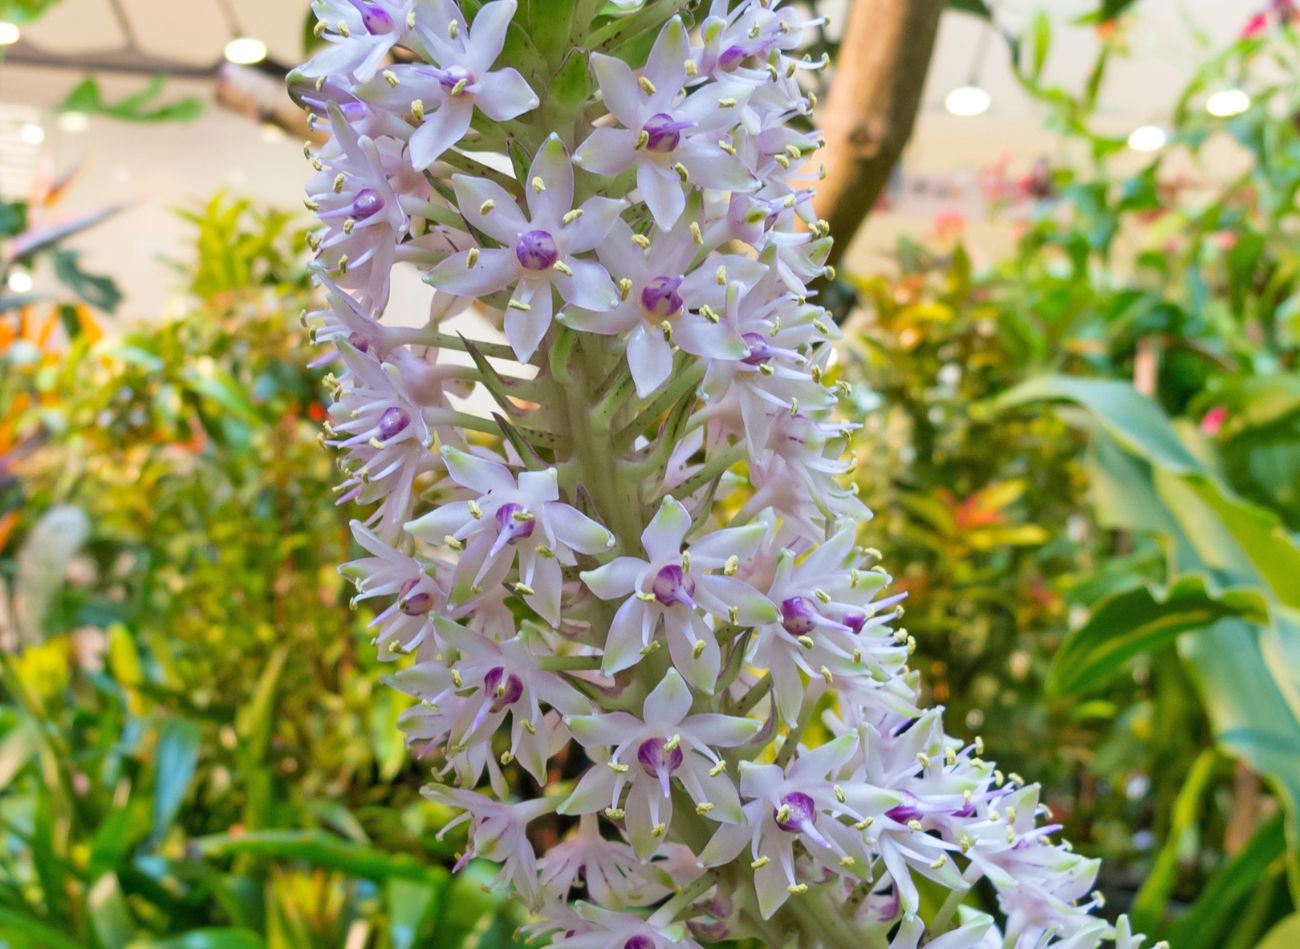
[
  {"x": 196, "y": 744},
  {"x": 1109, "y": 591}
]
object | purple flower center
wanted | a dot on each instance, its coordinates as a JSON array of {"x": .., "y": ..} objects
[
  {"x": 659, "y": 761},
  {"x": 376, "y": 19},
  {"x": 411, "y": 601},
  {"x": 759, "y": 351},
  {"x": 516, "y": 528},
  {"x": 797, "y": 813},
  {"x": 672, "y": 585},
  {"x": 855, "y": 622},
  {"x": 366, "y": 204},
  {"x": 639, "y": 942},
  {"x": 797, "y": 616},
  {"x": 392, "y": 422},
  {"x": 731, "y": 57},
  {"x": 359, "y": 342},
  {"x": 536, "y": 250},
  {"x": 908, "y": 810},
  {"x": 504, "y": 693},
  {"x": 452, "y": 76},
  {"x": 660, "y": 297},
  {"x": 663, "y": 134}
]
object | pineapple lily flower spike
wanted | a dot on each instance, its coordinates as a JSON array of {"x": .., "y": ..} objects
[{"x": 610, "y": 556}]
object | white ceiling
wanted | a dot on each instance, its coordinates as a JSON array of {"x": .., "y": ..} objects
[{"x": 157, "y": 168}]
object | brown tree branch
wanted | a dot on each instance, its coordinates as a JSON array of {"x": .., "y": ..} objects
[{"x": 872, "y": 105}]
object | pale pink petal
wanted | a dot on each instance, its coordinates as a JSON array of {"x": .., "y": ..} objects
[
  {"x": 599, "y": 216},
  {"x": 724, "y": 731},
  {"x": 489, "y": 208},
  {"x": 650, "y": 358},
  {"x": 626, "y": 636},
  {"x": 616, "y": 579},
  {"x": 661, "y": 190},
  {"x": 594, "y": 731},
  {"x": 619, "y": 89},
  {"x": 504, "y": 95},
  {"x": 493, "y": 271},
  {"x": 752, "y": 608},
  {"x": 576, "y": 530},
  {"x": 477, "y": 474},
  {"x": 606, "y": 151},
  {"x": 439, "y": 131},
  {"x": 666, "y": 65},
  {"x": 726, "y": 844},
  {"x": 553, "y": 173},
  {"x": 608, "y": 322},
  {"x": 589, "y": 288},
  {"x": 594, "y": 792},
  {"x": 708, "y": 166},
  {"x": 545, "y": 579},
  {"x": 663, "y": 536},
  {"x": 525, "y": 328},
  {"x": 741, "y": 541},
  {"x": 825, "y": 759},
  {"x": 487, "y": 35},
  {"x": 701, "y": 670},
  {"x": 669, "y": 702},
  {"x": 700, "y": 337}
]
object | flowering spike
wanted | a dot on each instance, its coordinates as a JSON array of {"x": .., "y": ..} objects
[{"x": 573, "y": 584}]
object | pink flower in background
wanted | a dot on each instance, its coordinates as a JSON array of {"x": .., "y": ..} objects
[{"x": 1212, "y": 421}]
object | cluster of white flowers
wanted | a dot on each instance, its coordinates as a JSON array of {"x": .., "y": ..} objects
[{"x": 635, "y": 588}]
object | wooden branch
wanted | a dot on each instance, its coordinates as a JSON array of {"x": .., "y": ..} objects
[{"x": 874, "y": 97}]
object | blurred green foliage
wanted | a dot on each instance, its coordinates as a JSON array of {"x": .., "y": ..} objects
[
  {"x": 1108, "y": 589},
  {"x": 196, "y": 748}
]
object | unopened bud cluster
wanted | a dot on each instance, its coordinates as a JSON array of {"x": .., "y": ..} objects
[{"x": 630, "y": 593}]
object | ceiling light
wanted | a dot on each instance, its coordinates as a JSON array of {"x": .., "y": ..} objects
[
  {"x": 245, "y": 50},
  {"x": 9, "y": 33},
  {"x": 73, "y": 122},
  {"x": 31, "y": 133},
  {"x": 20, "y": 281},
  {"x": 1227, "y": 102},
  {"x": 1148, "y": 138},
  {"x": 967, "y": 101}
]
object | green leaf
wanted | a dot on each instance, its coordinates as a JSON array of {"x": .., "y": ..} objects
[
  {"x": 1137, "y": 621},
  {"x": 256, "y": 720},
  {"x": 1285, "y": 935},
  {"x": 323, "y": 850},
  {"x": 1248, "y": 712},
  {"x": 1211, "y": 916},
  {"x": 1149, "y": 905},
  {"x": 974, "y": 7},
  {"x": 140, "y": 106},
  {"x": 409, "y": 905},
  {"x": 223, "y": 938},
  {"x": 15, "y": 924},
  {"x": 178, "y": 756},
  {"x": 100, "y": 292},
  {"x": 1134, "y": 420},
  {"x": 109, "y": 914},
  {"x": 17, "y": 748}
]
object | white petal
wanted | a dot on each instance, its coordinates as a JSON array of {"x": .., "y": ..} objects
[
  {"x": 551, "y": 166},
  {"x": 669, "y": 702},
  {"x": 607, "y": 151},
  {"x": 661, "y": 190},
  {"x": 503, "y": 221},
  {"x": 663, "y": 536},
  {"x": 650, "y": 358},
  {"x": 504, "y": 95},
  {"x": 616, "y": 579},
  {"x": 619, "y": 89},
  {"x": 439, "y": 131},
  {"x": 494, "y": 270},
  {"x": 589, "y": 288},
  {"x": 577, "y": 531},
  {"x": 525, "y": 328}
]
